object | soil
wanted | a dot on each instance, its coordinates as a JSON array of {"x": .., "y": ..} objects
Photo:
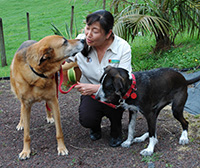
[{"x": 86, "y": 153}]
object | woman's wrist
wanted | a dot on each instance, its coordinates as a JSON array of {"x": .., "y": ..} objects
[{"x": 96, "y": 87}]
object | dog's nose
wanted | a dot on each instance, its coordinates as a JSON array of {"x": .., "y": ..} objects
[
  {"x": 82, "y": 41},
  {"x": 97, "y": 97}
]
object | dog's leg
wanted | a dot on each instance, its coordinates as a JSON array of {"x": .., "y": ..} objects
[
  {"x": 20, "y": 125},
  {"x": 131, "y": 130},
  {"x": 151, "y": 120},
  {"x": 49, "y": 117},
  {"x": 177, "y": 108},
  {"x": 53, "y": 104},
  {"x": 25, "y": 115},
  {"x": 149, "y": 150}
]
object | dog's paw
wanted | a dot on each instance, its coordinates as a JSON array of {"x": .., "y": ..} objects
[
  {"x": 62, "y": 151},
  {"x": 184, "y": 138},
  {"x": 126, "y": 144},
  {"x": 50, "y": 120},
  {"x": 183, "y": 141},
  {"x": 24, "y": 155},
  {"x": 20, "y": 127},
  {"x": 146, "y": 152}
]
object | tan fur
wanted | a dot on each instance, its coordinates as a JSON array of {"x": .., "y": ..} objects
[{"x": 46, "y": 57}]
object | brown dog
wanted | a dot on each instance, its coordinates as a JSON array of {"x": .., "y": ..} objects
[{"x": 32, "y": 77}]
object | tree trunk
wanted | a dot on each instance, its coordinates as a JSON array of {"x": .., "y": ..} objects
[{"x": 163, "y": 42}]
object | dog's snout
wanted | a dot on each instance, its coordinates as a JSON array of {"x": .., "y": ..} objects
[
  {"x": 97, "y": 97},
  {"x": 82, "y": 41}
]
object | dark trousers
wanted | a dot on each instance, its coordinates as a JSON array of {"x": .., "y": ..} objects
[{"x": 91, "y": 112}]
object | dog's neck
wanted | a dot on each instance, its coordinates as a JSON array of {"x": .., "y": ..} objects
[
  {"x": 131, "y": 92},
  {"x": 38, "y": 74}
]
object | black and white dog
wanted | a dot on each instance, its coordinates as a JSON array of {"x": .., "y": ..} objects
[{"x": 155, "y": 89}]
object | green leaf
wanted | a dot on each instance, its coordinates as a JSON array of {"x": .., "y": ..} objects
[{"x": 56, "y": 30}]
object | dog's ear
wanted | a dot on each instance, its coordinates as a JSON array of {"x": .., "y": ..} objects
[
  {"x": 118, "y": 84},
  {"x": 45, "y": 53},
  {"x": 106, "y": 70}
]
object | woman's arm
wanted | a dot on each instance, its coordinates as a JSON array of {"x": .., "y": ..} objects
[
  {"x": 86, "y": 88},
  {"x": 69, "y": 65}
]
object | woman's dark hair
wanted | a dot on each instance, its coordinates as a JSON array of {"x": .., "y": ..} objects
[
  {"x": 104, "y": 17},
  {"x": 106, "y": 21}
]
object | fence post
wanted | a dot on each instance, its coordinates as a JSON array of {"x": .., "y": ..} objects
[
  {"x": 72, "y": 18},
  {"x": 104, "y": 4},
  {"x": 28, "y": 26},
  {"x": 2, "y": 45}
]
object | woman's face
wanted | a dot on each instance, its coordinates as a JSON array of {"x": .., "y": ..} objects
[{"x": 95, "y": 35}]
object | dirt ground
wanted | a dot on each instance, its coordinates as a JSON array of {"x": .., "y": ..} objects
[{"x": 82, "y": 151}]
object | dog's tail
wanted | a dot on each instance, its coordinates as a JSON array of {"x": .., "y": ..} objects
[{"x": 191, "y": 81}]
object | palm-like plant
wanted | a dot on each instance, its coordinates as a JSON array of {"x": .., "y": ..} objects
[
  {"x": 135, "y": 18},
  {"x": 68, "y": 35},
  {"x": 157, "y": 17}
]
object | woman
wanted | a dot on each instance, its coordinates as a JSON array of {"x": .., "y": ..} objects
[{"x": 102, "y": 48}]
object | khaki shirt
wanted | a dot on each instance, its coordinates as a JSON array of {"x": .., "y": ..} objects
[{"x": 117, "y": 55}]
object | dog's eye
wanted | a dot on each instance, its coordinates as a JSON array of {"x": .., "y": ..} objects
[
  {"x": 110, "y": 87},
  {"x": 65, "y": 41}
]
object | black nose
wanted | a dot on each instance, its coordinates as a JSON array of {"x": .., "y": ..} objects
[
  {"x": 82, "y": 41},
  {"x": 97, "y": 97}
]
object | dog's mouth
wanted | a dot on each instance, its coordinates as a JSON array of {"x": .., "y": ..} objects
[
  {"x": 114, "y": 99},
  {"x": 104, "y": 97},
  {"x": 110, "y": 100},
  {"x": 74, "y": 54},
  {"x": 71, "y": 55},
  {"x": 115, "y": 103}
]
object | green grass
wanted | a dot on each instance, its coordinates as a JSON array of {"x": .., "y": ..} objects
[
  {"x": 185, "y": 55},
  {"x": 43, "y": 13},
  {"x": 152, "y": 158}
]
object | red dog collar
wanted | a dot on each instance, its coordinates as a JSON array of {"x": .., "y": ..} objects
[
  {"x": 127, "y": 95},
  {"x": 108, "y": 104},
  {"x": 133, "y": 87}
]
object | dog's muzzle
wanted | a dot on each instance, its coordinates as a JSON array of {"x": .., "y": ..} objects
[{"x": 100, "y": 95}]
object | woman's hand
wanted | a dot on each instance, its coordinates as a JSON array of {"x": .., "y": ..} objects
[{"x": 86, "y": 88}]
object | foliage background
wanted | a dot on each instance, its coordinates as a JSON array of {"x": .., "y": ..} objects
[{"x": 43, "y": 13}]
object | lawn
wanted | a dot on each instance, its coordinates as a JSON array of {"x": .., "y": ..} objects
[
  {"x": 184, "y": 55},
  {"x": 43, "y": 13}
]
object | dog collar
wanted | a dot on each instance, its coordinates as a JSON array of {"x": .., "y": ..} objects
[
  {"x": 131, "y": 94},
  {"x": 108, "y": 104},
  {"x": 40, "y": 75}
]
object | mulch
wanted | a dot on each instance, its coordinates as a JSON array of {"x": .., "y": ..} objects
[{"x": 82, "y": 151}]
